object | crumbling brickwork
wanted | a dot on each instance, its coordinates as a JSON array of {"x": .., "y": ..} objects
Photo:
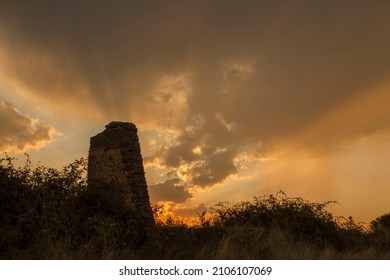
[{"x": 115, "y": 170}]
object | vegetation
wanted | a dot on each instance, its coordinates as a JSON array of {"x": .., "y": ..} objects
[{"x": 50, "y": 214}]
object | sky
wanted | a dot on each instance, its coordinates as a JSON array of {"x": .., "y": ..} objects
[{"x": 232, "y": 99}]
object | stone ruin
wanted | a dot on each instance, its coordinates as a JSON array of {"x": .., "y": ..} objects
[{"x": 116, "y": 173}]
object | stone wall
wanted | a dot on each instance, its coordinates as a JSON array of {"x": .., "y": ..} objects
[{"x": 115, "y": 170}]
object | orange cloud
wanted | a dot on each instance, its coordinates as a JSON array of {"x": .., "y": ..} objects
[
  {"x": 22, "y": 132},
  {"x": 363, "y": 116},
  {"x": 170, "y": 190}
]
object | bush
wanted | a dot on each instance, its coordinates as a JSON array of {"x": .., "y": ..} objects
[
  {"x": 382, "y": 222},
  {"x": 304, "y": 220},
  {"x": 37, "y": 204},
  {"x": 380, "y": 232}
]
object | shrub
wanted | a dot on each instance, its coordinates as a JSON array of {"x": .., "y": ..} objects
[
  {"x": 380, "y": 232},
  {"x": 382, "y": 222},
  {"x": 304, "y": 220}
]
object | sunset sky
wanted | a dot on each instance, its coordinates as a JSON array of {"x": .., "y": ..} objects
[{"x": 232, "y": 99}]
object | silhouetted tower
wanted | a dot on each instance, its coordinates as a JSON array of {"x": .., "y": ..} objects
[{"x": 115, "y": 170}]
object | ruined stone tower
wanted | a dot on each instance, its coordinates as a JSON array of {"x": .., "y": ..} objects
[{"x": 115, "y": 170}]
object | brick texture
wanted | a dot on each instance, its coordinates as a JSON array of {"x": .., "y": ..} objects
[{"x": 115, "y": 170}]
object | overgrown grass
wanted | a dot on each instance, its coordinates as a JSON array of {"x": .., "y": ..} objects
[{"x": 51, "y": 214}]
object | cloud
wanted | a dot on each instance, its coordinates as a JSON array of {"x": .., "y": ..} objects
[
  {"x": 192, "y": 211},
  {"x": 224, "y": 75},
  {"x": 347, "y": 124},
  {"x": 20, "y": 131},
  {"x": 170, "y": 190},
  {"x": 214, "y": 168}
]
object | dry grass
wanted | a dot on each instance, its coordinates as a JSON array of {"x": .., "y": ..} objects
[{"x": 257, "y": 243}]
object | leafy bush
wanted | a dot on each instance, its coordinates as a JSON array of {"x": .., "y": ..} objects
[
  {"x": 49, "y": 211},
  {"x": 380, "y": 232},
  {"x": 304, "y": 220},
  {"x": 382, "y": 222}
]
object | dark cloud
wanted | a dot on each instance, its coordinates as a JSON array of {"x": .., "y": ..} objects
[
  {"x": 223, "y": 74},
  {"x": 20, "y": 131},
  {"x": 170, "y": 190},
  {"x": 215, "y": 168}
]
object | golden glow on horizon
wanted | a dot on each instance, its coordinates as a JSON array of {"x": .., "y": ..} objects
[{"x": 168, "y": 214}]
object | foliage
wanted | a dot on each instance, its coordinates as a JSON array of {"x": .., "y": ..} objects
[
  {"x": 44, "y": 208},
  {"x": 380, "y": 232},
  {"x": 382, "y": 222},
  {"x": 303, "y": 220}
]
